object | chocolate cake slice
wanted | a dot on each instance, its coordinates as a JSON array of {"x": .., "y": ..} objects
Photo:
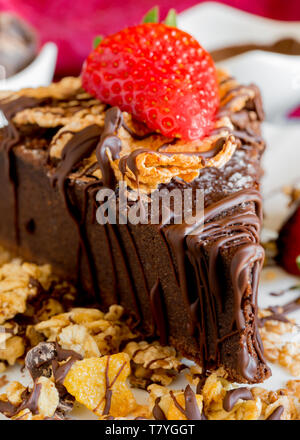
[{"x": 194, "y": 288}]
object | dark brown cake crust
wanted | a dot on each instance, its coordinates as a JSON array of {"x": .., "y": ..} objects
[{"x": 197, "y": 292}]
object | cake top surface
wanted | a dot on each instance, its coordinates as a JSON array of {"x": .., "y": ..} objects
[{"x": 115, "y": 146}]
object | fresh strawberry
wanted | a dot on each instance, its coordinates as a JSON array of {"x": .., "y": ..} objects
[
  {"x": 159, "y": 74},
  {"x": 288, "y": 243}
]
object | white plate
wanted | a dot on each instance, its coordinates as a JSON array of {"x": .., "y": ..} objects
[
  {"x": 38, "y": 73},
  {"x": 278, "y": 76}
]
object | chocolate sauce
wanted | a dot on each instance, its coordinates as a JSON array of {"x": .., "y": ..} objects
[
  {"x": 76, "y": 149},
  {"x": 278, "y": 313},
  {"x": 276, "y": 414},
  {"x": 190, "y": 411},
  {"x": 241, "y": 228},
  {"x": 233, "y": 396},
  {"x": 157, "y": 412},
  {"x": 109, "y": 142},
  {"x": 108, "y": 387}
]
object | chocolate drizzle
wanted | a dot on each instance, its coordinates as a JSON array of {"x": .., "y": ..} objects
[
  {"x": 287, "y": 46},
  {"x": 278, "y": 313},
  {"x": 76, "y": 149},
  {"x": 109, "y": 141},
  {"x": 10, "y": 137},
  {"x": 238, "y": 231},
  {"x": 47, "y": 359},
  {"x": 42, "y": 360},
  {"x": 108, "y": 388},
  {"x": 191, "y": 409},
  {"x": 157, "y": 412},
  {"x": 276, "y": 414},
  {"x": 233, "y": 396}
]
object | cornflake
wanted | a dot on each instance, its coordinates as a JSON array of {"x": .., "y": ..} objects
[
  {"x": 175, "y": 405},
  {"x": 100, "y": 385}
]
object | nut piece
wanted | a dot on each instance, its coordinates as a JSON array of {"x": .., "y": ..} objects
[
  {"x": 14, "y": 349},
  {"x": 152, "y": 363},
  {"x": 16, "y": 287},
  {"x": 286, "y": 354},
  {"x": 48, "y": 399}
]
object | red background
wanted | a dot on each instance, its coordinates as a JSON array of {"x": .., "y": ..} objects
[{"x": 72, "y": 24}]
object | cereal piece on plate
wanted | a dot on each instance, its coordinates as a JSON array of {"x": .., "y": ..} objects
[
  {"x": 100, "y": 385},
  {"x": 175, "y": 405},
  {"x": 88, "y": 331},
  {"x": 16, "y": 286}
]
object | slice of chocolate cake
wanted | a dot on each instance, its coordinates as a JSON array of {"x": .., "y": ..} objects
[{"x": 194, "y": 288}]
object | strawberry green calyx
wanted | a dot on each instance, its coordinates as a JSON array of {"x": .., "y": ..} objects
[
  {"x": 97, "y": 41},
  {"x": 171, "y": 18},
  {"x": 298, "y": 261},
  {"x": 152, "y": 16}
]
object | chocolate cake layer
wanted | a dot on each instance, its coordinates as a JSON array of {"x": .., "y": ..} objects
[{"x": 196, "y": 292}]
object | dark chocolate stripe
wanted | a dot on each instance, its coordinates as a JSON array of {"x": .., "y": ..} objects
[
  {"x": 157, "y": 412},
  {"x": 276, "y": 414},
  {"x": 10, "y": 138},
  {"x": 242, "y": 231},
  {"x": 232, "y": 397}
]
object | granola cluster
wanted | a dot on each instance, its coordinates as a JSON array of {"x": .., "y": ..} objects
[
  {"x": 96, "y": 359},
  {"x": 152, "y": 363}
]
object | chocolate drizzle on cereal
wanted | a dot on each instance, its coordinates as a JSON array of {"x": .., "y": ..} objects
[
  {"x": 276, "y": 414},
  {"x": 278, "y": 313}
]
